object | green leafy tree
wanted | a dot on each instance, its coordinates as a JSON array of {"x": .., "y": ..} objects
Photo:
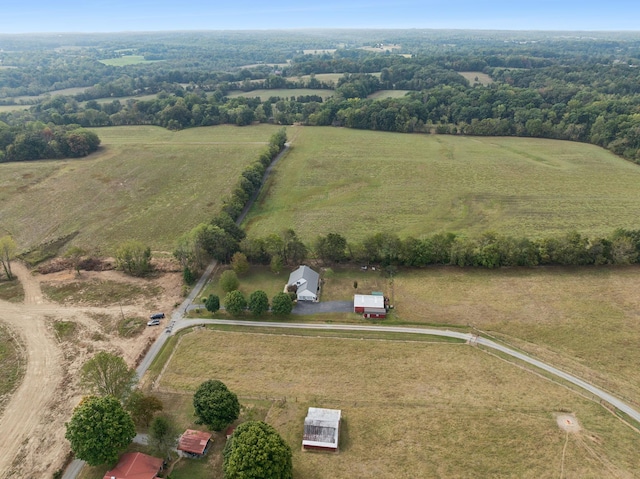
[
  {"x": 163, "y": 434},
  {"x": 134, "y": 258},
  {"x": 235, "y": 302},
  {"x": 188, "y": 276},
  {"x": 229, "y": 281},
  {"x": 75, "y": 254},
  {"x": 99, "y": 430},
  {"x": 212, "y": 303},
  {"x": 142, "y": 407},
  {"x": 239, "y": 263},
  {"x": 257, "y": 450},
  {"x": 258, "y": 303},
  {"x": 107, "y": 374},
  {"x": 8, "y": 249},
  {"x": 281, "y": 304},
  {"x": 215, "y": 405},
  {"x": 276, "y": 264},
  {"x": 331, "y": 248}
]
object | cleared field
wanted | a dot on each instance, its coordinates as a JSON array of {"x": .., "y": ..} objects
[
  {"x": 126, "y": 60},
  {"x": 477, "y": 78},
  {"x": 65, "y": 91},
  {"x": 319, "y": 51},
  {"x": 410, "y": 409},
  {"x": 388, "y": 94},
  {"x": 357, "y": 182},
  {"x": 145, "y": 183},
  {"x": 282, "y": 93},
  {"x": 329, "y": 77},
  {"x": 583, "y": 320},
  {"x": 4, "y": 108}
]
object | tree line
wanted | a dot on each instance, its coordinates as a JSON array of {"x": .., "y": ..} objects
[{"x": 36, "y": 141}]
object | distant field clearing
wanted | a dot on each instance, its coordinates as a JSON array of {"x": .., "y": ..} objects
[
  {"x": 388, "y": 94},
  {"x": 358, "y": 182},
  {"x": 282, "y": 93},
  {"x": 478, "y": 78}
]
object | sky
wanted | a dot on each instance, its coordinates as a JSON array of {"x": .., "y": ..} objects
[{"x": 39, "y": 16}]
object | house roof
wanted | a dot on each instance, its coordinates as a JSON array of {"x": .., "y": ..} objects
[
  {"x": 306, "y": 279},
  {"x": 368, "y": 301},
  {"x": 321, "y": 427},
  {"x": 194, "y": 441},
  {"x": 135, "y": 465}
]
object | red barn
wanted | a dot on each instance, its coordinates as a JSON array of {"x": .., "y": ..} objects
[{"x": 369, "y": 305}]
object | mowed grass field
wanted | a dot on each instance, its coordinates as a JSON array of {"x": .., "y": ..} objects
[
  {"x": 478, "y": 78},
  {"x": 356, "y": 183},
  {"x": 144, "y": 183},
  {"x": 410, "y": 409}
]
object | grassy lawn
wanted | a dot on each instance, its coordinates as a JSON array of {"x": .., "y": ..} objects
[
  {"x": 356, "y": 182},
  {"x": 282, "y": 93},
  {"x": 145, "y": 183},
  {"x": 12, "y": 364},
  {"x": 410, "y": 410},
  {"x": 258, "y": 278},
  {"x": 11, "y": 291}
]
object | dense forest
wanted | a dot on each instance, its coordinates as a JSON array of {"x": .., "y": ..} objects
[{"x": 580, "y": 87}]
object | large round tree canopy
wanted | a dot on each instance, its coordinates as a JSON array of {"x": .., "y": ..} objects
[
  {"x": 215, "y": 405},
  {"x": 256, "y": 450},
  {"x": 99, "y": 430}
]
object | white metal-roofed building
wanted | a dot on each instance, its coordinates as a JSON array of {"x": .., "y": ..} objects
[
  {"x": 322, "y": 429},
  {"x": 306, "y": 282},
  {"x": 370, "y": 305}
]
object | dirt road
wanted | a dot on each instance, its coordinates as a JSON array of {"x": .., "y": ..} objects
[{"x": 32, "y": 442}]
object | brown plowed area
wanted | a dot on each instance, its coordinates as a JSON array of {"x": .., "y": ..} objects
[{"x": 32, "y": 442}]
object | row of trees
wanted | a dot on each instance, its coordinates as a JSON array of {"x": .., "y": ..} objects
[
  {"x": 489, "y": 250},
  {"x": 220, "y": 238}
]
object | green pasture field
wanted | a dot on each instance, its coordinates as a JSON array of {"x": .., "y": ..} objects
[
  {"x": 145, "y": 183},
  {"x": 282, "y": 93},
  {"x": 381, "y": 94},
  {"x": 127, "y": 60},
  {"x": 409, "y": 409},
  {"x": 62, "y": 92},
  {"x": 482, "y": 78},
  {"x": 356, "y": 183}
]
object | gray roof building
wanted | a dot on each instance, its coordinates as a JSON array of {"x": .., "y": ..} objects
[{"x": 306, "y": 281}]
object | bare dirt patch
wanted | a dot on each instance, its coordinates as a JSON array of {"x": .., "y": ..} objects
[
  {"x": 57, "y": 340},
  {"x": 568, "y": 422}
]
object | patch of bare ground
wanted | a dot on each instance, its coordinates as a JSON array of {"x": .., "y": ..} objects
[{"x": 57, "y": 340}]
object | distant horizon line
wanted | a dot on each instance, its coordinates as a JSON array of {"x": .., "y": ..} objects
[{"x": 303, "y": 29}]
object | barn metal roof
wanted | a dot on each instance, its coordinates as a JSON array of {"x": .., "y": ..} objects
[
  {"x": 368, "y": 301},
  {"x": 194, "y": 442},
  {"x": 321, "y": 427}
]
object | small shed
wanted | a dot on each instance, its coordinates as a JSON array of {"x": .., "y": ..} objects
[
  {"x": 194, "y": 443},
  {"x": 370, "y": 305},
  {"x": 322, "y": 429},
  {"x": 135, "y": 465},
  {"x": 306, "y": 282}
]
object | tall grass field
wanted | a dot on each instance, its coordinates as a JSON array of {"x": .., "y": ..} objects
[
  {"x": 356, "y": 182},
  {"x": 145, "y": 183}
]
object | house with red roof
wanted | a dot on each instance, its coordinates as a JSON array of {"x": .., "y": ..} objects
[
  {"x": 194, "y": 443},
  {"x": 135, "y": 465}
]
